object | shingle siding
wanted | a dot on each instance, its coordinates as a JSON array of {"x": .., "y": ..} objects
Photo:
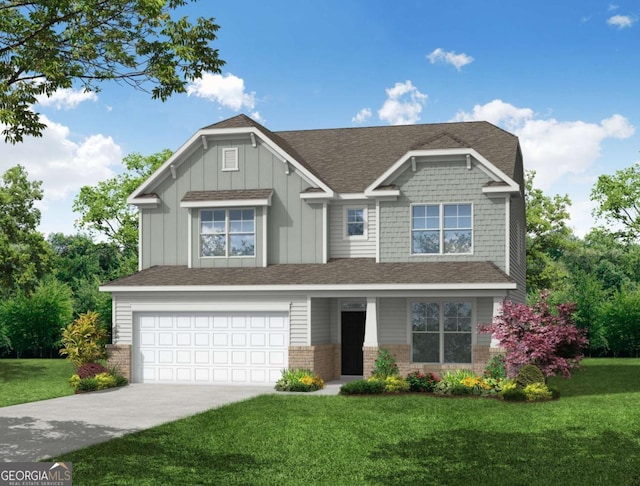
[{"x": 443, "y": 182}]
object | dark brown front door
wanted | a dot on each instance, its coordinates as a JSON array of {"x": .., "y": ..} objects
[{"x": 352, "y": 341}]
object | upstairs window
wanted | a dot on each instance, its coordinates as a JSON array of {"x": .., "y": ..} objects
[
  {"x": 227, "y": 232},
  {"x": 355, "y": 223},
  {"x": 441, "y": 229}
]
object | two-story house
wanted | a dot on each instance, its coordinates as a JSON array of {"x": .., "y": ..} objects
[{"x": 264, "y": 250}]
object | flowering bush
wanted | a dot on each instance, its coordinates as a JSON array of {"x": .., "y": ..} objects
[
  {"x": 496, "y": 368},
  {"x": 395, "y": 384},
  {"x": 100, "y": 381},
  {"x": 420, "y": 382},
  {"x": 385, "y": 365},
  {"x": 300, "y": 380},
  {"x": 537, "y": 335},
  {"x": 534, "y": 392},
  {"x": 464, "y": 382}
]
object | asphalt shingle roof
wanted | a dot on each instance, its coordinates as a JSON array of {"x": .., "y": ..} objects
[{"x": 227, "y": 195}]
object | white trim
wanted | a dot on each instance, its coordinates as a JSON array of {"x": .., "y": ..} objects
[
  {"x": 182, "y": 153},
  {"x": 307, "y": 287},
  {"x": 441, "y": 229},
  {"x": 190, "y": 238},
  {"x": 146, "y": 202},
  {"x": 390, "y": 173},
  {"x": 371, "y": 323},
  {"x": 378, "y": 231},
  {"x": 139, "y": 239},
  {"x": 365, "y": 223},
  {"x": 210, "y": 307},
  {"x": 308, "y": 343},
  {"x": 317, "y": 195},
  {"x": 264, "y": 237},
  {"x": 226, "y": 203},
  {"x": 223, "y": 160},
  {"x": 352, "y": 196},
  {"x": 507, "y": 236},
  {"x": 500, "y": 189},
  {"x": 325, "y": 232}
]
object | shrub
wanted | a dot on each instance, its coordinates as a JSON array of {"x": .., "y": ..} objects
[
  {"x": 528, "y": 375},
  {"x": 395, "y": 384},
  {"x": 105, "y": 380},
  {"x": 539, "y": 335},
  {"x": 496, "y": 368},
  {"x": 363, "y": 387},
  {"x": 87, "y": 385},
  {"x": 84, "y": 340},
  {"x": 89, "y": 370},
  {"x": 420, "y": 382},
  {"x": 537, "y": 392},
  {"x": 385, "y": 365},
  {"x": 514, "y": 394},
  {"x": 299, "y": 380}
]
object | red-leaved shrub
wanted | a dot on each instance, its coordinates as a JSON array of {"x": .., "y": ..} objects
[{"x": 89, "y": 370}]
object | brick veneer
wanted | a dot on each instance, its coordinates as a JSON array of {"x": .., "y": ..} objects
[
  {"x": 323, "y": 359},
  {"x": 119, "y": 355},
  {"x": 402, "y": 354}
]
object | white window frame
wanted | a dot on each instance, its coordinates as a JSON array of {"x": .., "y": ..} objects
[
  {"x": 345, "y": 223},
  {"x": 225, "y": 151},
  {"x": 442, "y": 332},
  {"x": 441, "y": 228},
  {"x": 227, "y": 233}
]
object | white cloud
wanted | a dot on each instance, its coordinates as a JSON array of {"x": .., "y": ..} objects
[
  {"x": 450, "y": 57},
  {"x": 362, "y": 116},
  {"x": 403, "y": 104},
  {"x": 66, "y": 98},
  {"x": 612, "y": 7},
  {"x": 228, "y": 90},
  {"x": 551, "y": 147},
  {"x": 257, "y": 117},
  {"x": 621, "y": 21}
]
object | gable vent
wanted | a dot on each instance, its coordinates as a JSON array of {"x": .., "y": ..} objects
[{"x": 230, "y": 159}]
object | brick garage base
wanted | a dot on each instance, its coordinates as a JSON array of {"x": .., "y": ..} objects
[
  {"x": 402, "y": 354},
  {"x": 324, "y": 359},
  {"x": 119, "y": 355}
]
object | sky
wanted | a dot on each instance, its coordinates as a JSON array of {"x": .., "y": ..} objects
[{"x": 562, "y": 76}]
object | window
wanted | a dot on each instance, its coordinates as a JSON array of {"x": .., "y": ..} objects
[
  {"x": 227, "y": 232},
  {"x": 441, "y": 228},
  {"x": 441, "y": 332},
  {"x": 229, "y": 159},
  {"x": 355, "y": 219}
]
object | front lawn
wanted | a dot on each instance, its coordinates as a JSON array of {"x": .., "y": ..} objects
[
  {"x": 590, "y": 436},
  {"x": 30, "y": 380}
]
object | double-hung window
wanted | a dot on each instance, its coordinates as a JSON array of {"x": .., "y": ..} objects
[
  {"x": 441, "y": 228},
  {"x": 227, "y": 232},
  {"x": 355, "y": 222},
  {"x": 441, "y": 331}
]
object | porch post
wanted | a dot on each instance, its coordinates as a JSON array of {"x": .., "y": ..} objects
[
  {"x": 497, "y": 308},
  {"x": 371, "y": 323}
]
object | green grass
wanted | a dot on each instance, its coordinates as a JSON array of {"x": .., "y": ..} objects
[
  {"x": 31, "y": 380},
  {"x": 590, "y": 436}
]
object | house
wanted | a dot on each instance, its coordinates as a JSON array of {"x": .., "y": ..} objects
[{"x": 263, "y": 250}]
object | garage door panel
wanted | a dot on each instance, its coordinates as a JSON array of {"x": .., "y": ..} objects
[{"x": 211, "y": 348}]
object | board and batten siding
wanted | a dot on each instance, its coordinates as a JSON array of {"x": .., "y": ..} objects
[
  {"x": 294, "y": 232},
  {"x": 320, "y": 321},
  {"x": 436, "y": 182},
  {"x": 124, "y": 302},
  {"x": 341, "y": 247}
]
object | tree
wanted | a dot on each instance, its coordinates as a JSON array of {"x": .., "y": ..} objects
[
  {"x": 621, "y": 316},
  {"x": 103, "y": 208},
  {"x": 618, "y": 198},
  {"x": 47, "y": 45},
  {"x": 548, "y": 236},
  {"x": 537, "y": 335},
  {"x": 24, "y": 254}
]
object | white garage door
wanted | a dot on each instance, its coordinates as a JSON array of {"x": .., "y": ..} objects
[{"x": 213, "y": 348}]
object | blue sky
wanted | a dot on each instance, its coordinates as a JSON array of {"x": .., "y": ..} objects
[{"x": 563, "y": 76}]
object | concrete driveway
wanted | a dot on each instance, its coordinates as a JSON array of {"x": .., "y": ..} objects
[{"x": 39, "y": 430}]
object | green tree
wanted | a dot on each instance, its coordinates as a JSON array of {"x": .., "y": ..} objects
[
  {"x": 104, "y": 210},
  {"x": 548, "y": 236},
  {"x": 47, "y": 45},
  {"x": 34, "y": 322},
  {"x": 618, "y": 198},
  {"x": 621, "y": 316},
  {"x": 24, "y": 254}
]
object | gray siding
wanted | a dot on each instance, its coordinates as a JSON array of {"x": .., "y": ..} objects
[
  {"x": 320, "y": 321},
  {"x": 341, "y": 247},
  {"x": 294, "y": 227},
  {"x": 123, "y": 313},
  {"x": 517, "y": 241},
  {"x": 446, "y": 181},
  {"x": 392, "y": 324},
  {"x": 484, "y": 314}
]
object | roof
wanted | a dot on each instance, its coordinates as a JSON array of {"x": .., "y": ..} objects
[
  {"x": 350, "y": 159},
  {"x": 337, "y": 272},
  {"x": 228, "y": 195}
]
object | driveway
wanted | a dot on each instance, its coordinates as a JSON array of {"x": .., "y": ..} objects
[{"x": 39, "y": 430}]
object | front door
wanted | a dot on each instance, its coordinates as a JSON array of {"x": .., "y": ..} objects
[{"x": 352, "y": 341}]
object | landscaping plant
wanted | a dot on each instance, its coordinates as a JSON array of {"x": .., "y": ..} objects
[
  {"x": 299, "y": 380},
  {"x": 421, "y": 382},
  {"x": 385, "y": 365},
  {"x": 84, "y": 340}
]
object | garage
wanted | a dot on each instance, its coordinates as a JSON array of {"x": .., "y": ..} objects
[{"x": 210, "y": 348}]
